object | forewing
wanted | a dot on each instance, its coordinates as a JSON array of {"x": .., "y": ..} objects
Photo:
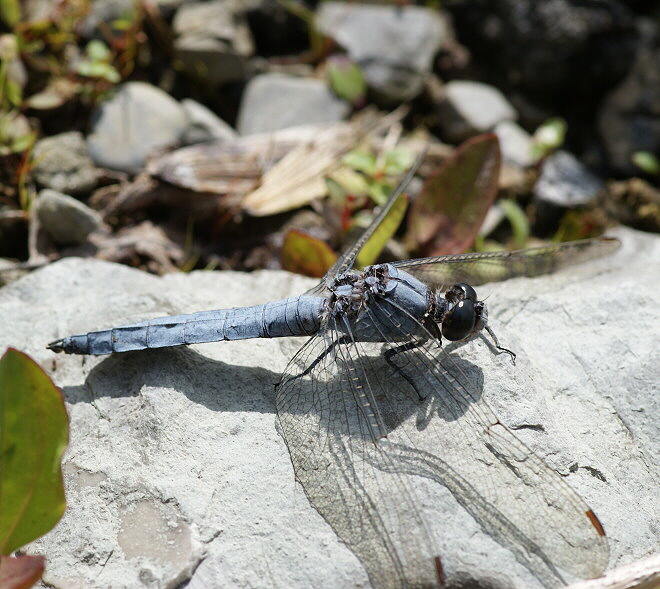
[
  {"x": 328, "y": 415},
  {"x": 357, "y": 423},
  {"x": 347, "y": 259},
  {"x": 479, "y": 268},
  {"x": 447, "y": 432}
]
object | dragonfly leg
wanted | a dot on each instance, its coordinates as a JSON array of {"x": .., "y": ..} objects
[
  {"x": 389, "y": 356},
  {"x": 500, "y": 348}
]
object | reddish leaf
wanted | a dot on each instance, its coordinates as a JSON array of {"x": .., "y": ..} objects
[
  {"x": 446, "y": 216},
  {"x": 305, "y": 254},
  {"x": 20, "y": 572}
]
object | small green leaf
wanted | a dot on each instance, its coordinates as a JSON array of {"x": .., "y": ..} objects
[
  {"x": 346, "y": 79},
  {"x": 371, "y": 250},
  {"x": 55, "y": 94},
  {"x": 379, "y": 191},
  {"x": 361, "y": 161},
  {"x": 647, "y": 162},
  {"x": 97, "y": 50},
  {"x": 518, "y": 220},
  {"x": 33, "y": 436},
  {"x": 305, "y": 254},
  {"x": 398, "y": 161},
  {"x": 549, "y": 137}
]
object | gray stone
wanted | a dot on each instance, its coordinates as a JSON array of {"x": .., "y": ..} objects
[
  {"x": 516, "y": 144},
  {"x": 469, "y": 108},
  {"x": 275, "y": 101},
  {"x": 139, "y": 119},
  {"x": 213, "y": 40},
  {"x": 394, "y": 45},
  {"x": 62, "y": 162},
  {"x": 565, "y": 182},
  {"x": 183, "y": 441},
  {"x": 205, "y": 125},
  {"x": 65, "y": 219}
]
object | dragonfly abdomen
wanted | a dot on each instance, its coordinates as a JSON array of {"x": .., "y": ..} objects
[{"x": 287, "y": 317}]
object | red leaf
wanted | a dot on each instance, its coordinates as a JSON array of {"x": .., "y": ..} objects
[
  {"x": 447, "y": 214},
  {"x": 20, "y": 572},
  {"x": 305, "y": 254}
]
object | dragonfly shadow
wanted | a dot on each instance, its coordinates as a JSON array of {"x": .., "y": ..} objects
[{"x": 217, "y": 385}]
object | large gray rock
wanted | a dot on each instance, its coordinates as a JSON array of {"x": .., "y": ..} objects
[
  {"x": 135, "y": 122},
  {"x": 175, "y": 469},
  {"x": 277, "y": 101},
  {"x": 394, "y": 45},
  {"x": 469, "y": 108}
]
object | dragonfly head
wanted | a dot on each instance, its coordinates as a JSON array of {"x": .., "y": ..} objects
[{"x": 464, "y": 316}]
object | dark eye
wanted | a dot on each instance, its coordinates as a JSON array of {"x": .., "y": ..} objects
[
  {"x": 459, "y": 321},
  {"x": 468, "y": 292},
  {"x": 460, "y": 292}
]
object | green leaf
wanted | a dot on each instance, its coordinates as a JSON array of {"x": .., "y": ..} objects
[
  {"x": 647, "y": 162},
  {"x": 362, "y": 161},
  {"x": 346, "y": 79},
  {"x": 398, "y": 161},
  {"x": 372, "y": 248},
  {"x": 305, "y": 254},
  {"x": 10, "y": 12},
  {"x": 549, "y": 137},
  {"x": 447, "y": 215},
  {"x": 33, "y": 436},
  {"x": 97, "y": 50},
  {"x": 379, "y": 191},
  {"x": 518, "y": 220}
]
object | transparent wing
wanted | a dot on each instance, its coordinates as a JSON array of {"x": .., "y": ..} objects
[
  {"x": 357, "y": 422},
  {"x": 325, "y": 404},
  {"x": 480, "y": 268}
]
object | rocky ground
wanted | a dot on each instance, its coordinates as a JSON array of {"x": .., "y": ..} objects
[{"x": 155, "y": 135}]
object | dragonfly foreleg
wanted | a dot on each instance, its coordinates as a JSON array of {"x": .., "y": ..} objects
[
  {"x": 389, "y": 356},
  {"x": 500, "y": 348}
]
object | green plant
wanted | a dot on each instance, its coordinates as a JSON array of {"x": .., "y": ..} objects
[{"x": 34, "y": 432}]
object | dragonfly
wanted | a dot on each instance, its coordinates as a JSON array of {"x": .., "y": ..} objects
[{"x": 376, "y": 398}]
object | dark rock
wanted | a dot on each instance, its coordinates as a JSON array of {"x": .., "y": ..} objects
[
  {"x": 564, "y": 183},
  {"x": 561, "y": 55},
  {"x": 629, "y": 120},
  {"x": 275, "y": 101},
  {"x": 393, "y": 45},
  {"x": 213, "y": 40},
  {"x": 63, "y": 164}
]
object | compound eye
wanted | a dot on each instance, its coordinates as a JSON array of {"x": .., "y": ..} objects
[
  {"x": 468, "y": 292},
  {"x": 459, "y": 321}
]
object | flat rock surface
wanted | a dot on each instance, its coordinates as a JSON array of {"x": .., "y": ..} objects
[{"x": 175, "y": 470}]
